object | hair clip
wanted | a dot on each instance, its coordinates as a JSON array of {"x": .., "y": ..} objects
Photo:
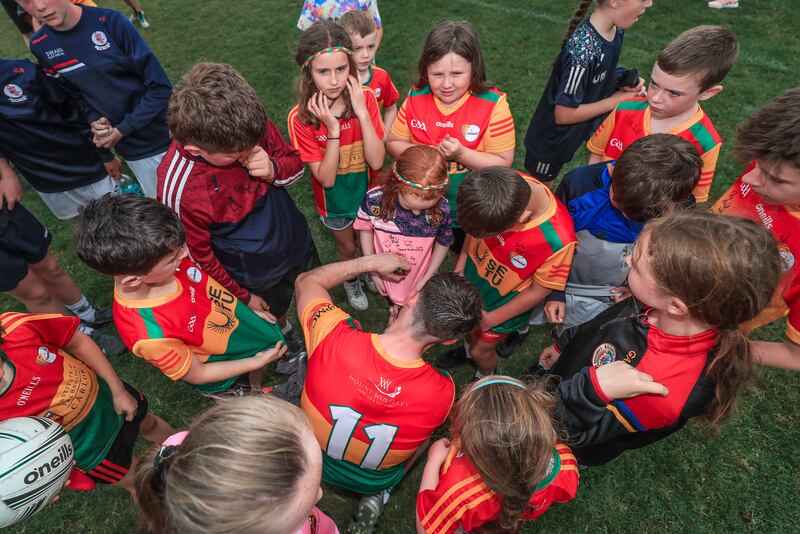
[
  {"x": 409, "y": 183},
  {"x": 329, "y": 50},
  {"x": 499, "y": 381},
  {"x": 163, "y": 457}
]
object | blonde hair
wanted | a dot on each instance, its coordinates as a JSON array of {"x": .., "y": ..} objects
[{"x": 235, "y": 472}]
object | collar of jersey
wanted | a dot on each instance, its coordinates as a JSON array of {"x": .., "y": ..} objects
[
  {"x": 376, "y": 343},
  {"x": 151, "y": 302},
  {"x": 698, "y": 115},
  {"x": 449, "y": 110},
  {"x": 665, "y": 343}
]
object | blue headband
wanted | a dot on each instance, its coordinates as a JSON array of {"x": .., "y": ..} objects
[{"x": 499, "y": 381}]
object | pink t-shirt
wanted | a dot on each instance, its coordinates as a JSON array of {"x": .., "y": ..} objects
[
  {"x": 318, "y": 523},
  {"x": 409, "y": 234}
]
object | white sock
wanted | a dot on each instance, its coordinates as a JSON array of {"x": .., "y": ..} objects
[
  {"x": 479, "y": 375},
  {"x": 85, "y": 329},
  {"x": 83, "y": 309}
]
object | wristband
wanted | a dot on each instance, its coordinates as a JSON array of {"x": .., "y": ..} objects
[{"x": 331, "y": 138}]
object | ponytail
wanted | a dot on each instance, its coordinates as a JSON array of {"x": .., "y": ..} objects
[
  {"x": 576, "y": 19},
  {"x": 150, "y": 496},
  {"x": 730, "y": 367}
]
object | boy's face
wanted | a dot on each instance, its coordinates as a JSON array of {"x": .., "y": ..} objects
[
  {"x": 364, "y": 50},
  {"x": 776, "y": 182},
  {"x": 670, "y": 96},
  {"x": 165, "y": 269},
  {"x": 51, "y": 12},
  {"x": 218, "y": 159}
]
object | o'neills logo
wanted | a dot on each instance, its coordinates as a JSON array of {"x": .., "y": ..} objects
[
  {"x": 766, "y": 219},
  {"x": 448, "y": 124},
  {"x": 27, "y": 391},
  {"x": 63, "y": 456}
]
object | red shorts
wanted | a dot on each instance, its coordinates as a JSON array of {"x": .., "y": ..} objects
[{"x": 489, "y": 336}]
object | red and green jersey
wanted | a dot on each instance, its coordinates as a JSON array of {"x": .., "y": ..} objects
[
  {"x": 538, "y": 251},
  {"x": 199, "y": 319},
  {"x": 631, "y": 121},
  {"x": 369, "y": 411},
  {"x": 47, "y": 382},
  {"x": 783, "y": 222},
  {"x": 481, "y": 122},
  {"x": 344, "y": 198},
  {"x": 462, "y": 499},
  {"x": 381, "y": 84}
]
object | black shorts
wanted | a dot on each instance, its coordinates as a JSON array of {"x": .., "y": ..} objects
[
  {"x": 460, "y": 236},
  {"x": 278, "y": 293},
  {"x": 117, "y": 462},
  {"x": 18, "y": 16},
  {"x": 23, "y": 240},
  {"x": 544, "y": 171}
]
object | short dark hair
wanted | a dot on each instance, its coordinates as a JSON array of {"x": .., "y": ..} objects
[
  {"x": 772, "y": 133},
  {"x": 358, "y": 22},
  {"x": 491, "y": 200},
  {"x": 126, "y": 235},
  {"x": 214, "y": 108},
  {"x": 449, "y": 307},
  {"x": 458, "y": 37},
  {"x": 655, "y": 175},
  {"x": 706, "y": 52}
]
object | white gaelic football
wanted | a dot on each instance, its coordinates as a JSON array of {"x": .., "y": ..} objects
[{"x": 35, "y": 461}]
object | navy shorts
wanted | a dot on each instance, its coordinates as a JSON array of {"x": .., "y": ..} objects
[
  {"x": 278, "y": 293},
  {"x": 544, "y": 171},
  {"x": 23, "y": 240}
]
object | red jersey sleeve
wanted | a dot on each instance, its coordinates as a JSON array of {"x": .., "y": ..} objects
[
  {"x": 287, "y": 161},
  {"x": 374, "y": 111},
  {"x": 303, "y": 139},
  {"x": 390, "y": 93},
  {"x": 318, "y": 320},
  {"x": 51, "y": 329}
]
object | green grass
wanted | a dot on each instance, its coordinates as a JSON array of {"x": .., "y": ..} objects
[{"x": 745, "y": 480}]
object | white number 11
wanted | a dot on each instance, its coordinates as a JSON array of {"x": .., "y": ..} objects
[{"x": 345, "y": 421}]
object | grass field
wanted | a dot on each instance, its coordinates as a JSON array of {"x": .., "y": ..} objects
[{"x": 745, "y": 480}]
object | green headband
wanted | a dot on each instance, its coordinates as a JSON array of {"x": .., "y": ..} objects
[
  {"x": 330, "y": 50},
  {"x": 499, "y": 381},
  {"x": 409, "y": 183}
]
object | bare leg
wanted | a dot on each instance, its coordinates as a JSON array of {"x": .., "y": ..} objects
[
  {"x": 345, "y": 243},
  {"x": 484, "y": 355},
  {"x": 135, "y": 5},
  {"x": 36, "y": 297},
  {"x": 58, "y": 281},
  {"x": 155, "y": 429}
]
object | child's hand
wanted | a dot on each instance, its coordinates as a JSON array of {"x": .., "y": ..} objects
[
  {"x": 258, "y": 164},
  {"x": 451, "y": 148},
  {"x": 639, "y": 90},
  {"x": 114, "y": 168},
  {"x": 260, "y": 306},
  {"x": 554, "y": 311},
  {"x": 357, "y": 99},
  {"x": 270, "y": 355},
  {"x": 319, "y": 107},
  {"x": 623, "y": 95},
  {"x": 618, "y": 380},
  {"x": 379, "y": 285},
  {"x": 125, "y": 404},
  {"x": 549, "y": 357},
  {"x": 487, "y": 321},
  {"x": 101, "y": 127},
  {"x": 11, "y": 190},
  {"x": 620, "y": 293},
  {"x": 437, "y": 454}
]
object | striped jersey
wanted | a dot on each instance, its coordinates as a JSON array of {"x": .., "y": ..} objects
[
  {"x": 462, "y": 499},
  {"x": 538, "y": 251},
  {"x": 381, "y": 84},
  {"x": 46, "y": 381},
  {"x": 783, "y": 222},
  {"x": 481, "y": 122},
  {"x": 631, "y": 121},
  {"x": 199, "y": 319},
  {"x": 343, "y": 199},
  {"x": 369, "y": 411}
]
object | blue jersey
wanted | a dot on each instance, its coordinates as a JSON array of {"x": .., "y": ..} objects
[
  {"x": 42, "y": 133},
  {"x": 584, "y": 72},
  {"x": 111, "y": 72}
]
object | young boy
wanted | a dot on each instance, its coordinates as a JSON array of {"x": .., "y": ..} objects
[
  {"x": 224, "y": 175},
  {"x": 769, "y": 192},
  {"x": 519, "y": 248},
  {"x": 169, "y": 312},
  {"x": 36, "y": 114},
  {"x": 609, "y": 203},
  {"x": 49, "y": 369},
  {"x": 363, "y": 31},
  {"x": 117, "y": 81},
  {"x": 688, "y": 71}
]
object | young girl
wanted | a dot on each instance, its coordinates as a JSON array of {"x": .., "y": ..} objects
[
  {"x": 584, "y": 85},
  {"x": 248, "y": 465},
  {"x": 695, "y": 277},
  {"x": 337, "y": 129},
  {"x": 408, "y": 215},
  {"x": 503, "y": 466},
  {"x": 453, "y": 108}
]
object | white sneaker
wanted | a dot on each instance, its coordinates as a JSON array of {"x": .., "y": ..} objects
[
  {"x": 370, "y": 508},
  {"x": 723, "y": 4},
  {"x": 139, "y": 17},
  {"x": 356, "y": 295},
  {"x": 366, "y": 279}
]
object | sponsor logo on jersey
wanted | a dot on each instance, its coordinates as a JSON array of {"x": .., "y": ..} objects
[
  {"x": 470, "y": 132},
  {"x": 603, "y": 354},
  {"x": 100, "y": 41},
  {"x": 786, "y": 256},
  {"x": 616, "y": 143},
  {"x": 194, "y": 274},
  {"x": 745, "y": 189},
  {"x": 518, "y": 260},
  {"x": 27, "y": 391},
  {"x": 14, "y": 93},
  {"x": 419, "y": 125},
  {"x": 599, "y": 78},
  {"x": 192, "y": 321},
  {"x": 384, "y": 387},
  {"x": 378, "y": 92},
  {"x": 766, "y": 219},
  {"x": 54, "y": 53},
  {"x": 44, "y": 356},
  {"x": 448, "y": 124}
]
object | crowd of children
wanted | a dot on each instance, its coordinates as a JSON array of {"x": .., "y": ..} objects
[{"x": 650, "y": 296}]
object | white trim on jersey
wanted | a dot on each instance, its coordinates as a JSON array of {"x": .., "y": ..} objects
[
  {"x": 574, "y": 78},
  {"x": 176, "y": 178},
  {"x": 290, "y": 180}
]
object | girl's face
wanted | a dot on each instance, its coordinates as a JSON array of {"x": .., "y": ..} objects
[
  {"x": 641, "y": 280},
  {"x": 627, "y": 12},
  {"x": 329, "y": 72},
  {"x": 449, "y": 78},
  {"x": 414, "y": 203},
  {"x": 308, "y": 491}
]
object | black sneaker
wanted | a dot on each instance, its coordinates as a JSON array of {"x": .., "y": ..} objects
[
  {"x": 110, "y": 345},
  {"x": 294, "y": 344},
  {"x": 101, "y": 316},
  {"x": 509, "y": 344},
  {"x": 452, "y": 358}
]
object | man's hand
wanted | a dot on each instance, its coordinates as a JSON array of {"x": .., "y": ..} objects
[
  {"x": 554, "y": 311},
  {"x": 258, "y": 164},
  {"x": 389, "y": 266},
  {"x": 101, "y": 127},
  {"x": 549, "y": 357},
  {"x": 11, "y": 189},
  {"x": 618, "y": 380},
  {"x": 125, "y": 404},
  {"x": 114, "y": 168}
]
